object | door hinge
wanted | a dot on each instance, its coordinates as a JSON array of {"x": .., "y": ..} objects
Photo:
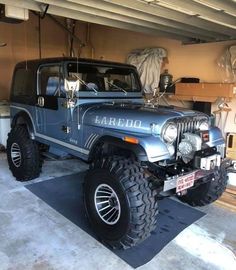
[
  {"x": 66, "y": 129},
  {"x": 69, "y": 103}
]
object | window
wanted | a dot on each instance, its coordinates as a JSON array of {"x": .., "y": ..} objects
[
  {"x": 50, "y": 81},
  {"x": 23, "y": 83},
  {"x": 103, "y": 78},
  {"x": 23, "y": 87}
]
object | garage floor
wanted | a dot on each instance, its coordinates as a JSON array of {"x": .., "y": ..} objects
[{"x": 35, "y": 236}]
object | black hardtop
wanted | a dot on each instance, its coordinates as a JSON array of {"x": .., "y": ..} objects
[{"x": 35, "y": 63}]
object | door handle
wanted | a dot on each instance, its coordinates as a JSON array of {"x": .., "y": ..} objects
[{"x": 40, "y": 101}]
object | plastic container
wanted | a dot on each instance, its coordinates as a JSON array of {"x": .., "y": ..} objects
[
  {"x": 231, "y": 146},
  {"x": 165, "y": 80},
  {"x": 232, "y": 179},
  {"x": 4, "y": 122}
]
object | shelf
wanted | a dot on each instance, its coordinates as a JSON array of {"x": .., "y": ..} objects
[
  {"x": 206, "y": 92},
  {"x": 194, "y": 98}
]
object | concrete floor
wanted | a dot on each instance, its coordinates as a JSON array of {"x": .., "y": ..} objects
[{"x": 35, "y": 236}]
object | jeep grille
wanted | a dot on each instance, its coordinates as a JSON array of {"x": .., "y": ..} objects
[{"x": 188, "y": 124}]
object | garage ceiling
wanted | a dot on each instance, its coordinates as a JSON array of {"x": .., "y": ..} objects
[{"x": 191, "y": 21}]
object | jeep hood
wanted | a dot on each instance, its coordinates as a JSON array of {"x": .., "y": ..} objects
[{"x": 135, "y": 118}]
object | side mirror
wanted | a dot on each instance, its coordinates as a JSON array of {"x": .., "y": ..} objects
[{"x": 71, "y": 86}]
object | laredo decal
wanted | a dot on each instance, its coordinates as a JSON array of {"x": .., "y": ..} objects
[{"x": 118, "y": 122}]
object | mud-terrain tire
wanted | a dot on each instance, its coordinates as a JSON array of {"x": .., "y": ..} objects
[
  {"x": 135, "y": 213},
  {"x": 23, "y": 154},
  {"x": 209, "y": 192}
]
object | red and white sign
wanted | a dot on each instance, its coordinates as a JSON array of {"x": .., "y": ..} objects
[{"x": 185, "y": 181}]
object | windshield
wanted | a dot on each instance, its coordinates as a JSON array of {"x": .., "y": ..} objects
[{"x": 103, "y": 78}]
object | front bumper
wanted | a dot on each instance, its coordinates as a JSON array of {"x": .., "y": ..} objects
[
  {"x": 204, "y": 164},
  {"x": 172, "y": 182}
]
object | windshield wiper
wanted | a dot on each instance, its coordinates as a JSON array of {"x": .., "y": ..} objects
[
  {"x": 84, "y": 83},
  {"x": 117, "y": 87}
]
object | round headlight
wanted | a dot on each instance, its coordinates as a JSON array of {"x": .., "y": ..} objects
[
  {"x": 170, "y": 133},
  {"x": 204, "y": 126}
]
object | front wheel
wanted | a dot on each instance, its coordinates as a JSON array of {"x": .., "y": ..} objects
[
  {"x": 120, "y": 202},
  {"x": 208, "y": 192}
]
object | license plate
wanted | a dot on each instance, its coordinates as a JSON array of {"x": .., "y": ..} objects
[{"x": 185, "y": 181}]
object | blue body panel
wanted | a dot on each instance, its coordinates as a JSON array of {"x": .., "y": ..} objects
[{"x": 215, "y": 137}]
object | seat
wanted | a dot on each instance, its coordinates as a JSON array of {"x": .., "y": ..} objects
[
  {"x": 55, "y": 87},
  {"x": 52, "y": 86},
  {"x": 94, "y": 81},
  {"x": 121, "y": 84}
]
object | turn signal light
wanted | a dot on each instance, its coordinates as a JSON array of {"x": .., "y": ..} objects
[{"x": 131, "y": 140}]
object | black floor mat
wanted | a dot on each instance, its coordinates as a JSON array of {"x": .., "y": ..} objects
[{"x": 64, "y": 194}]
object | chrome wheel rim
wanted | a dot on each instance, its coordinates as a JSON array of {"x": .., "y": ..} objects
[
  {"x": 16, "y": 155},
  {"x": 107, "y": 204}
]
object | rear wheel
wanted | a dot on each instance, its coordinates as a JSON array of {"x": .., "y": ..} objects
[
  {"x": 209, "y": 192},
  {"x": 23, "y": 154},
  {"x": 120, "y": 202}
]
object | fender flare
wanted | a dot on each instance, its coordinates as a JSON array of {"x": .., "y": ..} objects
[
  {"x": 22, "y": 118},
  {"x": 137, "y": 149}
]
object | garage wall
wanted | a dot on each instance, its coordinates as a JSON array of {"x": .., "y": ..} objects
[
  {"x": 22, "y": 43},
  {"x": 109, "y": 44},
  {"x": 184, "y": 60}
]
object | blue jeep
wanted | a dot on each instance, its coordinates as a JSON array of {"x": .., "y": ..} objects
[{"x": 138, "y": 153}]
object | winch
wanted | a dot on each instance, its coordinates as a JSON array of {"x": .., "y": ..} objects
[{"x": 189, "y": 145}]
